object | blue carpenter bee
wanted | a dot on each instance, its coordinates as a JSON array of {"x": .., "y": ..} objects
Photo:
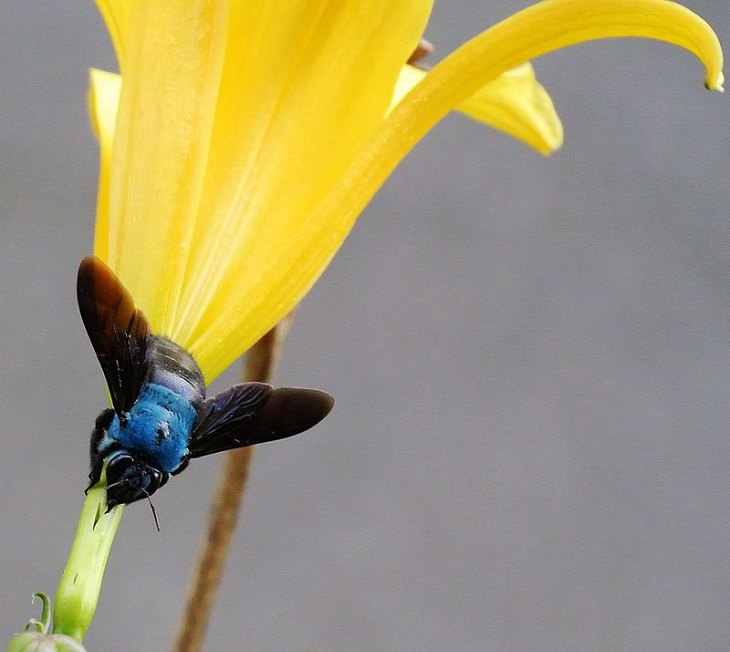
[{"x": 160, "y": 417}]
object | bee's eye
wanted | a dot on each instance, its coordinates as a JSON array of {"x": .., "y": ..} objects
[
  {"x": 118, "y": 467},
  {"x": 129, "y": 479}
]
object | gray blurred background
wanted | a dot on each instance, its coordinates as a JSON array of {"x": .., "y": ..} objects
[{"x": 530, "y": 356}]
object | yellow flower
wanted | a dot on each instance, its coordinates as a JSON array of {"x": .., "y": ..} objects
[{"x": 247, "y": 136}]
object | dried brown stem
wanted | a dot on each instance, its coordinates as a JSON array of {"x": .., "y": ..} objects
[
  {"x": 260, "y": 364},
  {"x": 423, "y": 49}
]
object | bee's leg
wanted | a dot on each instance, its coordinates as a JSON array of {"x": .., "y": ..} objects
[{"x": 103, "y": 422}]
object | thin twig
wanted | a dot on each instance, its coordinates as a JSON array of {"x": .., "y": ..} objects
[
  {"x": 260, "y": 364},
  {"x": 423, "y": 49}
]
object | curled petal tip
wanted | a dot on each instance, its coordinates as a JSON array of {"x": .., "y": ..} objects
[{"x": 716, "y": 83}]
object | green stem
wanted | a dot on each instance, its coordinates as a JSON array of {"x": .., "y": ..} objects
[{"x": 78, "y": 590}]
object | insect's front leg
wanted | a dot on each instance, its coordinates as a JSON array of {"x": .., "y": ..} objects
[{"x": 103, "y": 421}]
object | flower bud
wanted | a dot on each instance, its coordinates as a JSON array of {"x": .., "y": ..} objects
[
  {"x": 36, "y": 637},
  {"x": 42, "y": 642}
]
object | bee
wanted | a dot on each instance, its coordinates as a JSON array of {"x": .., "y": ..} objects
[{"x": 160, "y": 418}]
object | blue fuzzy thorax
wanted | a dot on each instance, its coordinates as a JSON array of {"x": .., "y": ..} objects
[{"x": 157, "y": 427}]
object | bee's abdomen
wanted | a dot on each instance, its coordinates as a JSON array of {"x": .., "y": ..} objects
[{"x": 173, "y": 367}]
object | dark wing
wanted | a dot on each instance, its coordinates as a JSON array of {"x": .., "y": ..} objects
[
  {"x": 117, "y": 330},
  {"x": 253, "y": 413}
]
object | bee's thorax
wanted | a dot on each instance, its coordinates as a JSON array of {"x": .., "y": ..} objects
[{"x": 173, "y": 367}]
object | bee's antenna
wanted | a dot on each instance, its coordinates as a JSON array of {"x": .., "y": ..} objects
[{"x": 152, "y": 507}]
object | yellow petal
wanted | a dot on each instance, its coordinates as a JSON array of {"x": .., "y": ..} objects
[
  {"x": 104, "y": 90},
  {"x": 116, "y": 17},
  {"x": 537, "y": 30},
  {"x": 172, "y": 66},
  {"x": 223, "y": 215},
  {"x": 515, "y": 103},
  {"x": 299, "y": 97}
]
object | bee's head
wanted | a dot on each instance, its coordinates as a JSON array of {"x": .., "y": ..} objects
[{"x": 129, "y": 478}]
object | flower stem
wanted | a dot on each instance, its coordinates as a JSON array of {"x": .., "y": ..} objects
[
  {"x": 78, "y": 590},
  {"x": 260, "y": 363}
]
